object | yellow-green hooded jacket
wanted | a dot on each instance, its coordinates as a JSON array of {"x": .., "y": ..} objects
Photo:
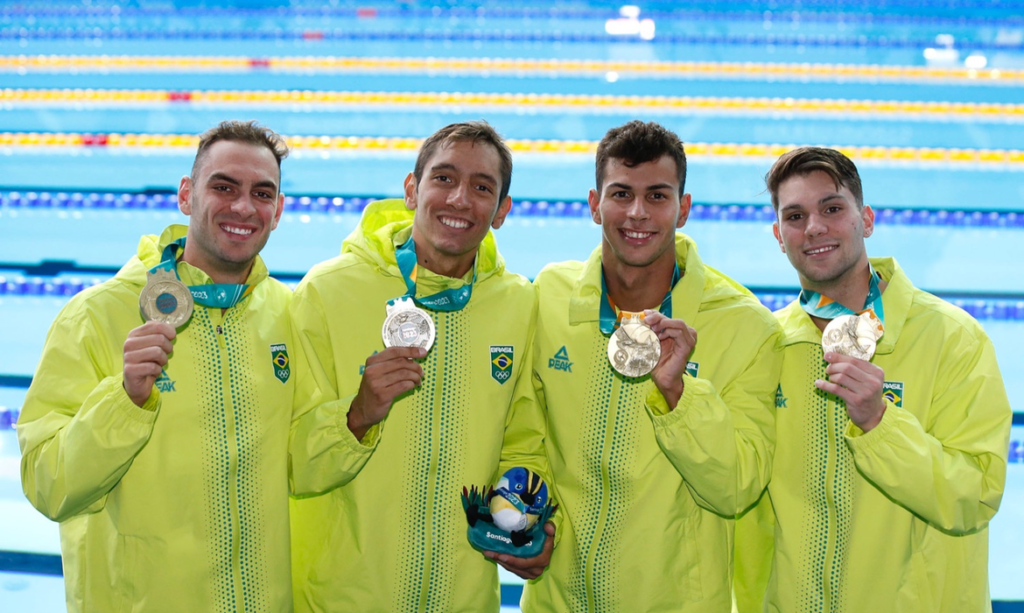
[
  {"x": 647, "y": 494},
  {"x": 393, "y": 539},
  {"x": 181, "y": 505},
  {"x": 894, "y": 520}
]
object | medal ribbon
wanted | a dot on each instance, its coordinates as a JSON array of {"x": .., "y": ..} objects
[
  {"x": 221, "y": 295},
  {"x": 452, "y": 299},
  {"x": 514, "y": 500},
  {"x": 824, "y": 307},
  {"x": 611, "y": 316}
]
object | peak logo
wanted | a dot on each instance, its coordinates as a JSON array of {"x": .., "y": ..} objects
[
  {"x": 164, "y": 383},
  {"x": 561, "y": 360}
]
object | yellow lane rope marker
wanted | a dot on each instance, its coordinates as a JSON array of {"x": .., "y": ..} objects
[
  {"x": 575, "y": 102},
  {"x": 505, "y": 66},
  {"x": 43, "y": 140}
]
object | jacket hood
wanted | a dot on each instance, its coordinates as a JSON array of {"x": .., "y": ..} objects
[{"x": 386, "y": 224}]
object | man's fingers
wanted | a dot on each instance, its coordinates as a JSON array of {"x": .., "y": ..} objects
[
  {"x": 396, "y": 353},
  {"x": 155, "y": 355},
  {"x": 525, "y": 568},
  {"x": 150, "y": 341},
  {"x": 385, "y": 380},
  {"x": 149, "y": 328},
  {"x": 854, "y": 374},
  {"x": 143, "y": 370},
  {"x": 390, "y": 368},
  {"x": 832, "y": 388}
]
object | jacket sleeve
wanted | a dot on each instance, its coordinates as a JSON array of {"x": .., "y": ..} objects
[
  {"x": 951, "y": 470},
  {"x": 322, "y": 453},
  {"x": 722, "y": 441},
  {"x": 79, "y": 431}
]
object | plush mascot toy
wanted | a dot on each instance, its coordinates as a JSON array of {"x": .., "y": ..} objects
[{"x": 509, "y": 517}]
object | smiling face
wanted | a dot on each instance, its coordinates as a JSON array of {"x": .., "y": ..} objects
[
  {"x": 639, "y": 209},
  {"x": 821, "y": 230},
  {"x": 456, "y": 202},
  {"x": 234, "y": 203}
]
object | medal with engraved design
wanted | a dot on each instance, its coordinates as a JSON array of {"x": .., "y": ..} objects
[
  {"x": 165, "y": 298},
  {"x": 853, "y": 335},
  {"x": 407, "y": 325},
  {"x": 634, "y": 349}
]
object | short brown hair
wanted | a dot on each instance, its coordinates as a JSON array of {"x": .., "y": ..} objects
[
  {"x": 472, "y": 131},
  {"x": 248, "y": 132},
  {"x": 804, "y": 161},
  {"x": 637, "y": 143}
]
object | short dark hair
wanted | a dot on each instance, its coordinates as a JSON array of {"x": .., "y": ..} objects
[
  {"x": 472, "y": 131},
  {"x": 805, "y": 160},
  {"x": 637, "y": 143},
  {"x": 248, "y": 132}
]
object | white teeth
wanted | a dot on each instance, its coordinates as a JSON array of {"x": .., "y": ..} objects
[
  {"x": 454, "y": 223},
  {"x": 239, "y": 231},
  {"x": 630, "y": 234},
  {"x": 819, "y": 250}
]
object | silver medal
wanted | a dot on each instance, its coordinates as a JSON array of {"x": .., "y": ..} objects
[
  {"x": 634, "y": 349},
  {"x": 165, "y": 298},
  {"x": 407, "y": 325}
]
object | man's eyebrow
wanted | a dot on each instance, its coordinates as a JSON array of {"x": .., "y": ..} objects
[
  {"x": 476, "y": 175},
  {"x": 617, "y": 185},
  {"x": 658, "y": 186},
  {"x": 226, "y": 178},
  {"x": 220, "y": 176}
]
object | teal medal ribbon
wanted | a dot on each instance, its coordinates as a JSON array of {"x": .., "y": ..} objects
[
  {"x": 218, "y": 295},
  {"x": 825, "y": 308},
  {"x": 609, "y": 314},
  {"x": 452, "y": 299}
]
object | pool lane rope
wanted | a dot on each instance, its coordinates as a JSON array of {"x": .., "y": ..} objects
[
  {"x": 1013, "y": 158},
  {"x": 576, "y": 103},
  {"x": 505, "y": 67}
]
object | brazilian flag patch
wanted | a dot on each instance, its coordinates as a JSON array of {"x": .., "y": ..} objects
[
  {"x": 893, "y": 392},
  {"x": 279, "y": 356},
  {"x": 501, "y": 363},
  {"x": 692, "y": 368}
]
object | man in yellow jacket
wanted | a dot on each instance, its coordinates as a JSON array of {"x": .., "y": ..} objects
[
  {"x": 433, "y": 418},
  {"x": 889, "y": 467},
  {"x": 162, "y": 446},
  {"x": 649, "y": 465}
]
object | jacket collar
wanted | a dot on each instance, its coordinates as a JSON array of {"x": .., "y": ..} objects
[
  {"x": 585, "y": 301},
  {"x": 897, "y": 299},
  {"x": 387, "y": 224},
  {"x": 151, "y": 248}
]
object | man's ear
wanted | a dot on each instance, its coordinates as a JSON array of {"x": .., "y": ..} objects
[
  {"x": 868, "y": 216},
  {"x": 778, "y": 236},
  {"x": 185, "y": 195},
  {"x": 594, "y": 202},
  {"x": 503, "y": 210},
  {"x": 685, "y": 202},
  {"x": 410, "y": 192}
]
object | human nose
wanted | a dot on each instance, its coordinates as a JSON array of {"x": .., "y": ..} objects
[
  {"x": 243, "y": 205},
  {"x": 815, "y": 226},
  {"x": 636, "y": 209},
  {"x": 459, "y": 195}
]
